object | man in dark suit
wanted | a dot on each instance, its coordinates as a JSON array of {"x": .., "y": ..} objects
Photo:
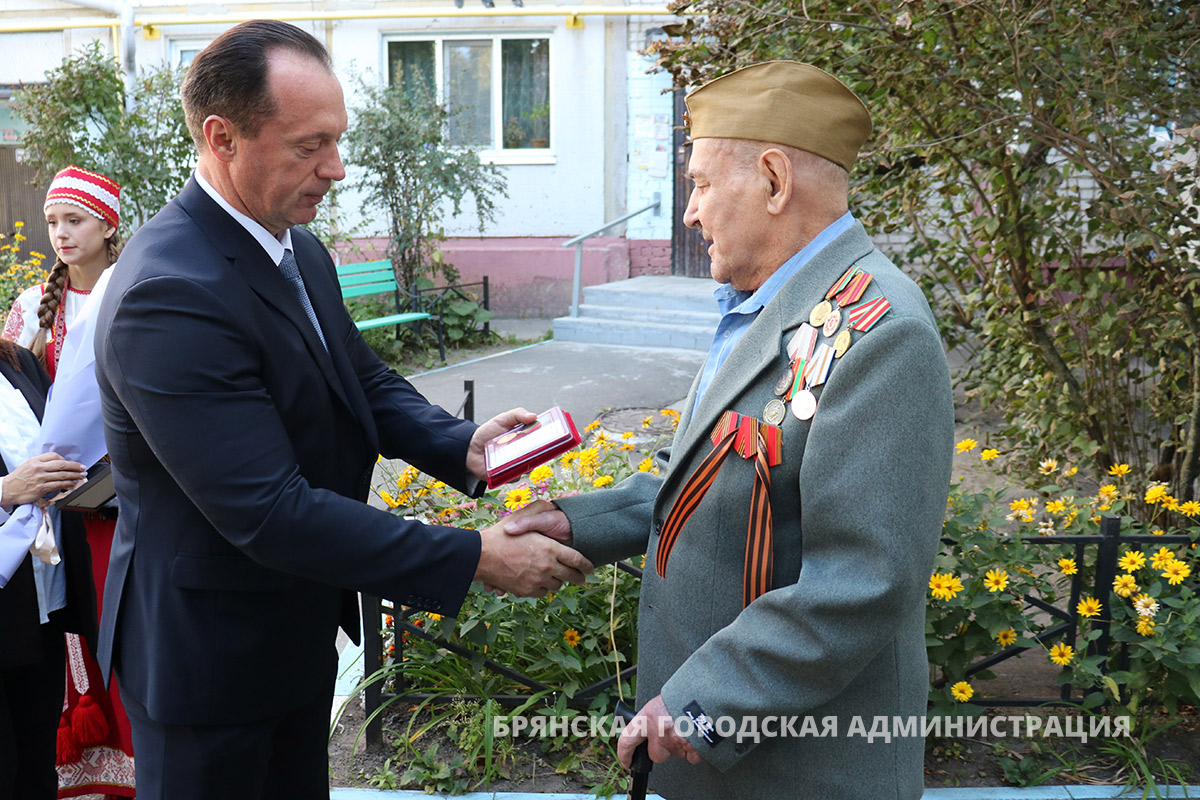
[
  {"x": 795, "y": 521},
  {"x": 244, "y": 413}
]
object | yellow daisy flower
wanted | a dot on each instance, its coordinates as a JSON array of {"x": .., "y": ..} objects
[
  {"x": 572, "y": 637},
  {"x": 542, "y": 473},
  {"x": 518, "y": 498},
  {"x": 1191, "y": 508},
  {"x": 1132, "y": 561},
  {"x": 1048, "y": 466},
  {"x": 989, "y": 454},
  {"x": 1088, "y": 607},
  {"x": 1006, "y": 637},
  {"x": 647, "y": 422},
  {"x": 592, "y": 426},
  {"x": 966, "y": 446},
  {"x": 1062, "y": 654},
  {"x": 1155, "y": 493},
  {"x": 1145, "y": 626},
  {"x": 387, "y": 498},
  {"x": 1125, "y": 585},
  {"x": 1107, "y": 492},
  {"x": 996, "y": 580},
  {"x": 603, "y": 480},
  {"x": 962, "y": 691},
  {"x": 945, "y": 586},
  {"x": 1118, "y": 469},
  {"x": 646, "y": 464},
  {"x": 1163, "y": 557},
  {"x": 1055, "y": 507},
  {"x": 1067, "y": 565},
  {"x": 1175, "y": 572}
]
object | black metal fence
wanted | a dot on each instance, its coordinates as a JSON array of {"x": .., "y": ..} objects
[{"x": 1107, "y": 545}]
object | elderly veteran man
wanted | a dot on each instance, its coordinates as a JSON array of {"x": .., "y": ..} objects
[{"x": 793, "y": 525}]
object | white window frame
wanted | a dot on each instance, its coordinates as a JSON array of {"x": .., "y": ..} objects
[
  {"x": 176, "y": 47},
  {"x": 493, "y": 154}
]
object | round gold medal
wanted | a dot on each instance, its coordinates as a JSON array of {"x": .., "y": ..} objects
[
  {"x": 832, "y": 321},
  {"x": 819, "y": 313},
  {"x": 804, "y": 404},
  {"x": 841, "y": 344},
  {"x": 773, "y": 413}
]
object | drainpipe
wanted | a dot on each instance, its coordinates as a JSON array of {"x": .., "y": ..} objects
[{"x": 126, "y": 40}]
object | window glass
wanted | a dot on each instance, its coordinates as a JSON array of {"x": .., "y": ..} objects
[
  {"x": 475, "y": 85},
  {"x": 525, "y": 82},
  {"x": 410, "y": 64},
  {"x": 467, "y": 71}
]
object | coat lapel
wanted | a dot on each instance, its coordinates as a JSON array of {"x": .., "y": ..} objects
[
  {"x": 761, "y": 353},
  {"x": 250, "y": 262}
]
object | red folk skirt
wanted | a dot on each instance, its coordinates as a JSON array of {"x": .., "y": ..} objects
[{"x": 95, "y": 748}]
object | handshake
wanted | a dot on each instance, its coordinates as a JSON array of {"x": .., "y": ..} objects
[{"x": 527, "y": 553}]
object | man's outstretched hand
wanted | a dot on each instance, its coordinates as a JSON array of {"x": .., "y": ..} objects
[
  {"x": 540, "y": 516},
  {"x": 528, "y": 565}
]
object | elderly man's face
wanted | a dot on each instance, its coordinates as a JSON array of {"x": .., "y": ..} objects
[
  {"x": 281, "y": 174},
  {"x": 728, "y": 205}
]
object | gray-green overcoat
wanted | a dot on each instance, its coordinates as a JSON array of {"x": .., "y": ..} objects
[{"x": 857, "y": 500}]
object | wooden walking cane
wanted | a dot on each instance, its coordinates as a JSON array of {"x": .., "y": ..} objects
[{"x": 641, "y": 764}]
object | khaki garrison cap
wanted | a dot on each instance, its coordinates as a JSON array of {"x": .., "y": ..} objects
[{"x": 783, "y": 102}]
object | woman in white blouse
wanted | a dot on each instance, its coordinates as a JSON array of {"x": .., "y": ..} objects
[{"x": 41, "y": 601}]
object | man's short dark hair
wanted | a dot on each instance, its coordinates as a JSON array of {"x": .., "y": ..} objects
[{"x": 229, "y": 77}]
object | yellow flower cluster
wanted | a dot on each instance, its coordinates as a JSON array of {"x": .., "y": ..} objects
[{"x": 944, "y": 586}]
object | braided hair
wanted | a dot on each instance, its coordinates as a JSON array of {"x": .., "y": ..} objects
[{"x": 52, "y": 297}]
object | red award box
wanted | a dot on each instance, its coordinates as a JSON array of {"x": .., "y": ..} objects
[{"x": 512, "y": 454}]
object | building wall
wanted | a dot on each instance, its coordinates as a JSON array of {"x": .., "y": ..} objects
[{"x": 610, "y": 138}]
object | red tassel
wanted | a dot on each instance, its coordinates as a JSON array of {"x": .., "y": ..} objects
[
  {"x": 88, "y": 723},
  {"x": 68, "y": 749}
]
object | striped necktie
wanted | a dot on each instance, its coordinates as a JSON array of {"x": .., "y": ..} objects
[{"x": 292, "y": 272}]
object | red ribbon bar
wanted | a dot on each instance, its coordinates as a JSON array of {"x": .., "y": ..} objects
[
  {"x": 841, "y": 283},
  {"x": 855, "y": 290},
  {"x": 865, "y": 316}
]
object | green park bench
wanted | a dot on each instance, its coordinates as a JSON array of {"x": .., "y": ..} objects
[{"x": 377, "y": 277}]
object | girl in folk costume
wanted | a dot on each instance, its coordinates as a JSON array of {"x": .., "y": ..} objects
[{"x": 95, "y": 751}]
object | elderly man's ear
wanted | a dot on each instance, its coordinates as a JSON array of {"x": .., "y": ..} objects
[{"x": 776, "y": 168}]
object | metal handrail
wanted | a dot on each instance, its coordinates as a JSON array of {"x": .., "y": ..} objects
[{"x": 578, "y": 244}]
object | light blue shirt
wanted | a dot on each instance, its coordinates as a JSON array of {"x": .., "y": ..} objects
[{"x": 740, "y": 309}]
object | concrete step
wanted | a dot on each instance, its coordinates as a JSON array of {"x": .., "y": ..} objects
[
  {"x": 662, "y": 316},
  {"x": 595, "y": 330},
  {"x": 660, "y": 292}
]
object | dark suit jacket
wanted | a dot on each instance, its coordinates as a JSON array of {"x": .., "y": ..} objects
[
  {"x": 20, "y": 627},
  {"x": 242, "y": 451}
]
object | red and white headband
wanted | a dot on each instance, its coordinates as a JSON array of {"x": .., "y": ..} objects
[{"x": 94, "y": 193}]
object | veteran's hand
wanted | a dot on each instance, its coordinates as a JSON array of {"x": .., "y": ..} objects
[
  {"x": 489, "y": 430},
  {"x": 529, "y": 565},
  {"x": 46, "y": 474},
  {"x": 653, "y": 725},
  {"x": 542, "y": 517}
]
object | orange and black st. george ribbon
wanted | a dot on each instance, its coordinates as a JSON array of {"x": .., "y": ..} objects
[{"x": 751, "y": 439}]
